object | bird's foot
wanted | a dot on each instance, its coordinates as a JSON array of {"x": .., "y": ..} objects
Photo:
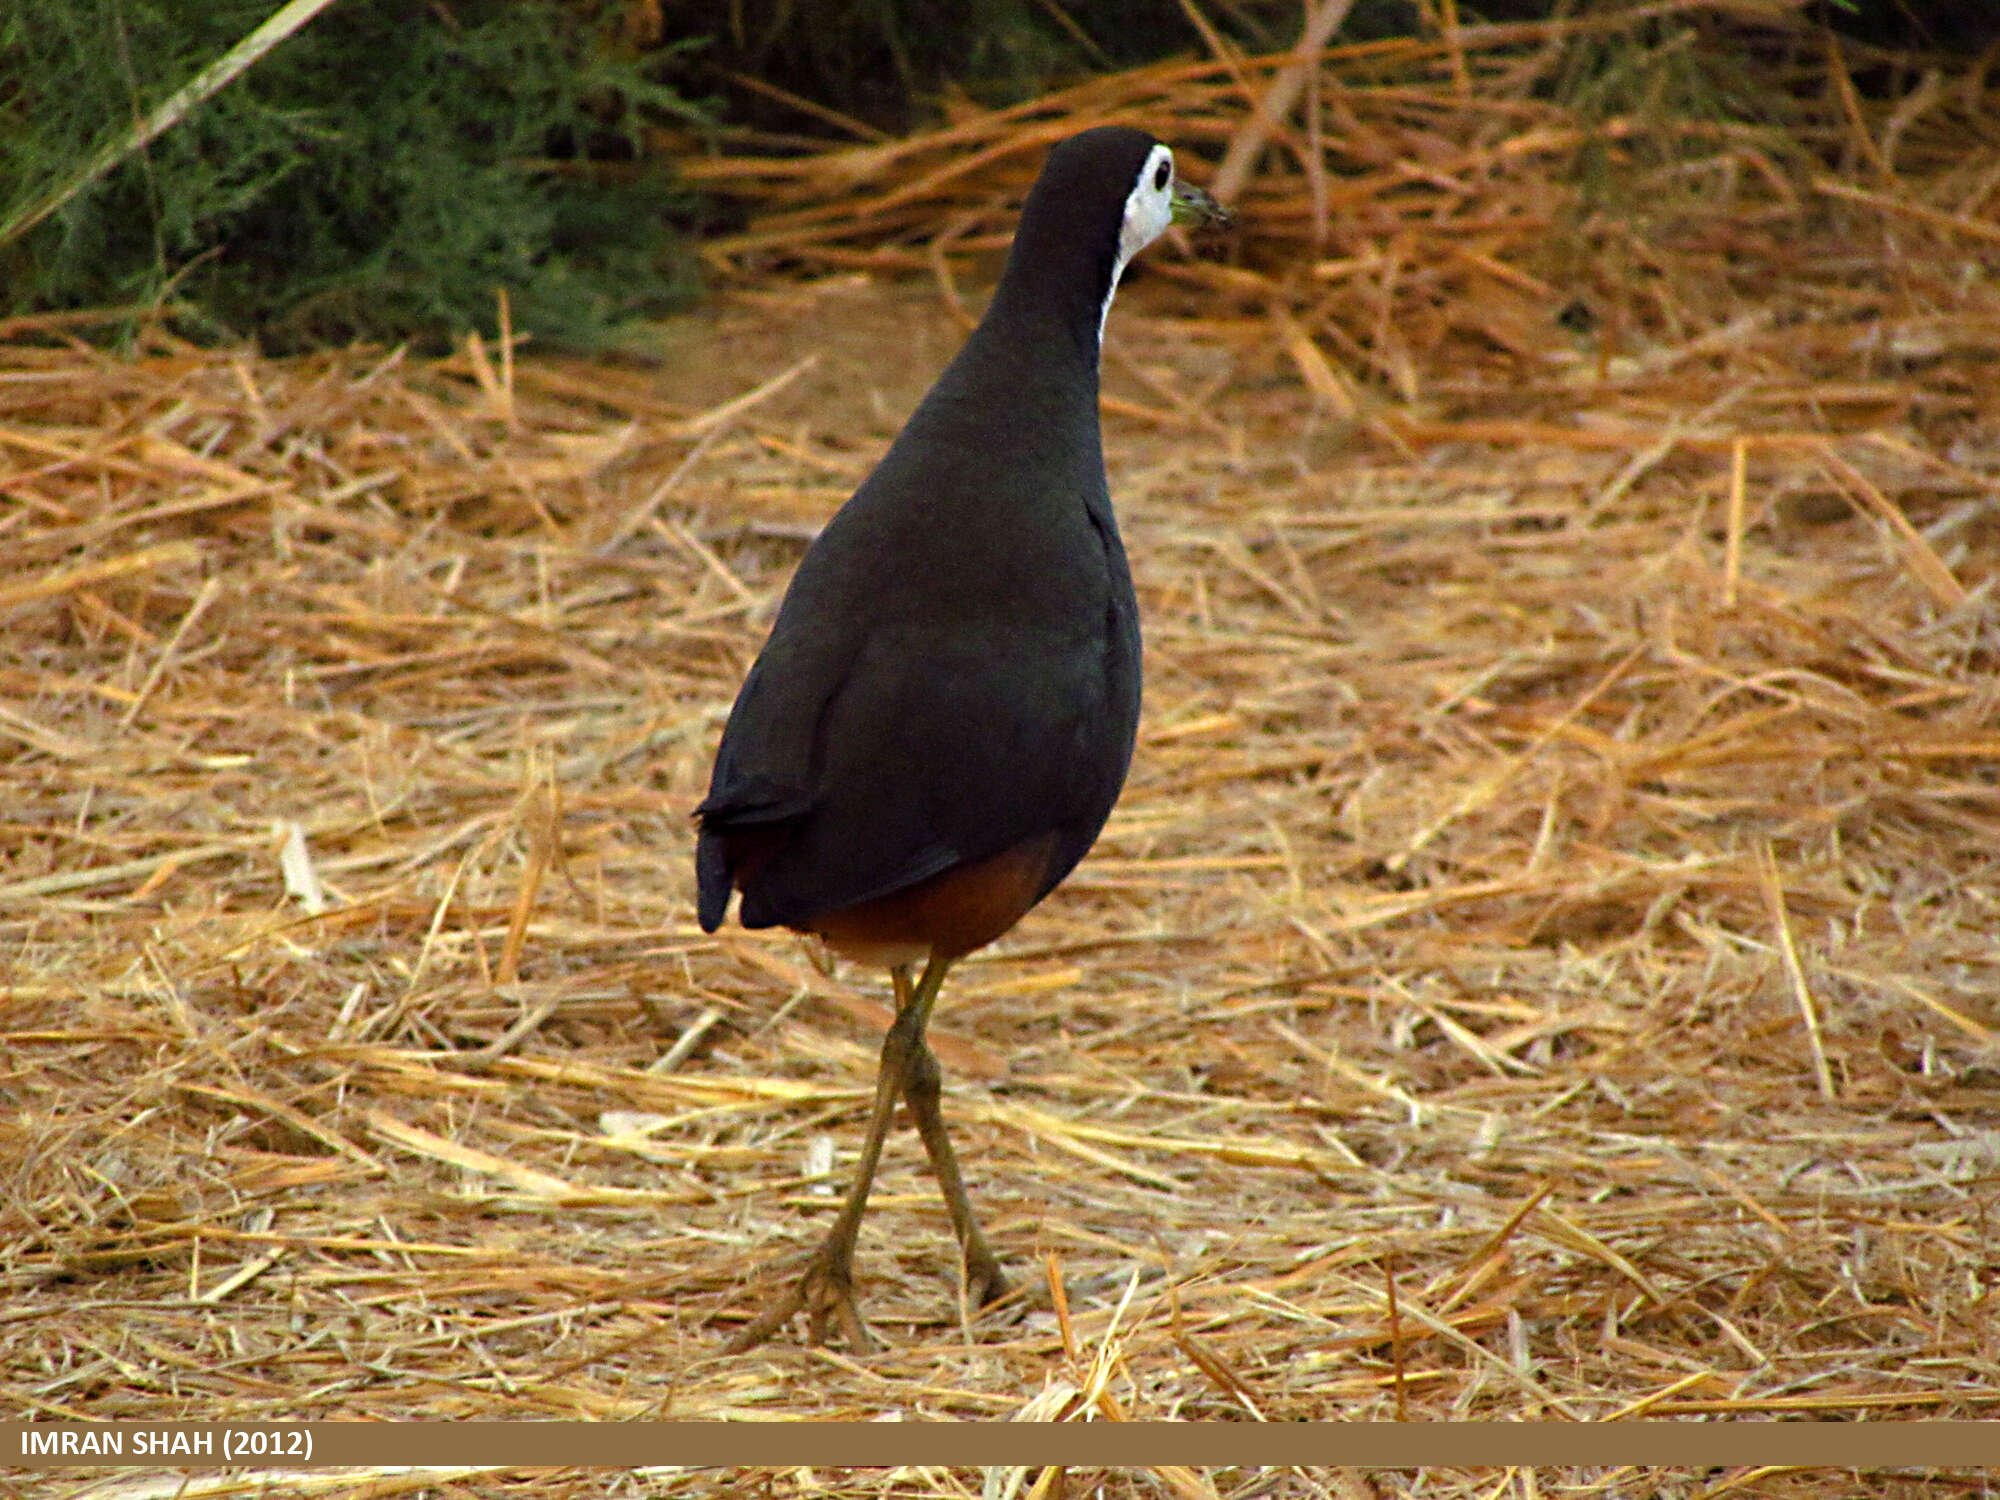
[
  {"x": 824, "y": 1292},
  {"x": 985, "y": 1282}
]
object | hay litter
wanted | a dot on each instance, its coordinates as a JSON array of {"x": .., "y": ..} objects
[{"x": 1543, "y": 964}]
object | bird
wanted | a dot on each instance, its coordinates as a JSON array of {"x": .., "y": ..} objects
[{"x": 944, "y": 712}]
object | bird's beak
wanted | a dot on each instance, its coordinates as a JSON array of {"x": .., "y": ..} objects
[{"x": 1190, "y": 205}]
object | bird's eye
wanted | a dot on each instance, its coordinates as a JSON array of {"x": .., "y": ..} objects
[{"x": 1162, "y": 175}]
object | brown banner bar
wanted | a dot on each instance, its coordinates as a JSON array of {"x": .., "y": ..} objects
[{"x": 196, "y": 1445}]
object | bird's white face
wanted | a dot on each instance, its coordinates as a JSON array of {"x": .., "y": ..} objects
[{"x": 1149, "y": 209}]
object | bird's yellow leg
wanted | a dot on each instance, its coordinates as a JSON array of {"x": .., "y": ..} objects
[
  {"x": 826, "y": 1287},
  {"x": 923, "y": 1085}
]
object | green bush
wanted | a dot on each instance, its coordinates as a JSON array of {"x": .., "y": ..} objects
[{"x": 381, "y": 174}]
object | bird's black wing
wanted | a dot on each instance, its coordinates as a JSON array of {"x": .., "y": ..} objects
[{"x": 887, "y": 733}]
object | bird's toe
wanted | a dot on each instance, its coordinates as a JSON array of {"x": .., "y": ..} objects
[
  {"x": 985, "y": 1282},
  {"x": 828, "y": 1294}
]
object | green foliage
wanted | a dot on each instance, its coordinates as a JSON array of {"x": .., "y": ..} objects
[{"x": 381, "y": 174}]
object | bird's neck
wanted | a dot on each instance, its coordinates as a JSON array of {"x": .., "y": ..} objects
[{"x": 1054, "y": 293}]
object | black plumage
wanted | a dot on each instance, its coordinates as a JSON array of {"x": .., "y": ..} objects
[
  {"x": 944, "y": 713},
  {"x": 955, "y": 667}
]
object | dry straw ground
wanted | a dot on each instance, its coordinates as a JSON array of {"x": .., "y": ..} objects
[{"x": 1556, "y": 883}]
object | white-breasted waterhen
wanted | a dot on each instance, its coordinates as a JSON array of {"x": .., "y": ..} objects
[{"x": 944, "y": 713}]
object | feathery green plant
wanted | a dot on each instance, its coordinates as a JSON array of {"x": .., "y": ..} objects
[{"x": 382, "y": 174}]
